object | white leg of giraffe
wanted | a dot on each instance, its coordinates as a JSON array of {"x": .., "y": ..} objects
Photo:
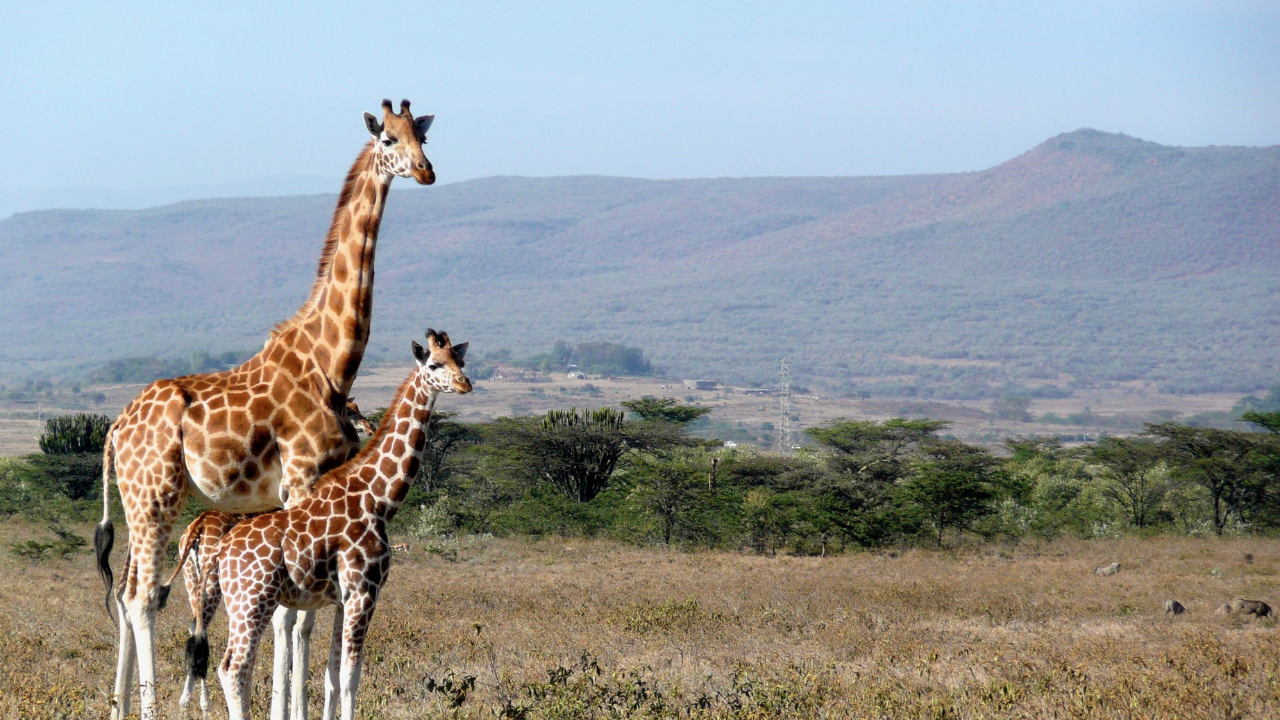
[
  {"x": 301, "y": 664},
  {"x": 143, "y": 616},
  {"x": 331, "y": 690},
  {"x": 357, "y": 612},
  {"x": 282, "y": 623},
  {"x": 187, "y": 687},
  {"x": 124, "y": 664}
]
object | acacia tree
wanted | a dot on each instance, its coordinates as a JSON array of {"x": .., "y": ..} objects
[
  {"x": 1222, "y": 461},
  {"x": 1133, "y": 470},
  {"x": 444, "y": 437},
  {"x": 952, "y": 485},
  {"x": 1269, "y": 421},
  {"x": 576, "y": 451},
  {"x": 670, "y": 486},
  {"x": 865, "y": 461},
  {"x": 665, "y": 410}
]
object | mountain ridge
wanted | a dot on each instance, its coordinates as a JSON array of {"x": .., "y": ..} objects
[{"x": 1093, "y": 255}]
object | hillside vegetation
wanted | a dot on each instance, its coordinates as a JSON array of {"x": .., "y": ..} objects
[{"x": 1092, "y": 258}]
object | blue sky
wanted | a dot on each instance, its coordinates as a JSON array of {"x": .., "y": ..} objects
[{"x": 132, "y": 96}]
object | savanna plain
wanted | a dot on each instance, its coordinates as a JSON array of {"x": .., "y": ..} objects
[{"x": 575, "y": 628}]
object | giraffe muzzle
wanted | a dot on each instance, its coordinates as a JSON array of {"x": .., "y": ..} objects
[{"x": 424, "y": 173}]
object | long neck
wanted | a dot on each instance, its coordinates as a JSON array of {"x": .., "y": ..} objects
[
  {"x": 389, "y": 465},
  {"x": 332, "y": 326}
]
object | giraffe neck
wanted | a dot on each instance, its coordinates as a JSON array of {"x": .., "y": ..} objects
[
  {"x": 332, "y": 326},
  {"x": 388, "y": 465}
]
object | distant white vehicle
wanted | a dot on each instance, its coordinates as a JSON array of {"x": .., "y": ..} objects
[
  {"x": 576, "y": 376},
  {"x": 730, "y": 443}
]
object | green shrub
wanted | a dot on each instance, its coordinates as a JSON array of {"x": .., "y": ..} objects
[{"x": 73, "y": 434}]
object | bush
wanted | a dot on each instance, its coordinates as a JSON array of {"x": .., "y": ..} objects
[{"x": 75, "y": 434}]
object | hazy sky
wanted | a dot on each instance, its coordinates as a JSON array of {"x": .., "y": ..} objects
[{"x": 154, "y": 95}]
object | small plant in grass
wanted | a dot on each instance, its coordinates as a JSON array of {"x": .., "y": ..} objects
[
  {"x": 67, "y": 544},
  {"x": 453, "y": 688}
]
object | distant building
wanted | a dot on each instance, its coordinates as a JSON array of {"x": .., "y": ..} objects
[
  {"x": 759, "y": 392},
  {"x": 701, "y": 384}
]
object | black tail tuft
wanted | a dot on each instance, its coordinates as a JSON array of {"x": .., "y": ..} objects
[
  {"x": 198, "y": 656},
  {"x": 104, "y": 538},
  {"x": 162, "y": 597}
]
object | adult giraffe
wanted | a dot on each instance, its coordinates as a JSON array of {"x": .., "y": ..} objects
[{"x": 252, "y": 438}]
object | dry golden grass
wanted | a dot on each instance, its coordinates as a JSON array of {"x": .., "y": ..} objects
[{"x": 1023, "y": 631}]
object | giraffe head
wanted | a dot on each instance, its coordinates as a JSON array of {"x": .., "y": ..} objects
[
  {"x": 356, "y": 419},
  {"x": 398, "y": 141},
  {"x": 440, "y": 364}
]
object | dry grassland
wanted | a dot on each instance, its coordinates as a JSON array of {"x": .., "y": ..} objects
[{"x": 1023, "y": 631}]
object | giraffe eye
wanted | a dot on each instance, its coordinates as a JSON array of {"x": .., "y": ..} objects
[
  {"x": 433, "y": 366},
  {"x": 388, "y": 142}
]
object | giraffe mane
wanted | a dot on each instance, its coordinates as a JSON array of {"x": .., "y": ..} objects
[
  {"x": 371, "y": 447},
  {"x": 330, "y": 245}
]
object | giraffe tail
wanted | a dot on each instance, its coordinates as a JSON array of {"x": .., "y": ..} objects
[
  {"x": 197, "y": 653},
  {"x": 104, "y": 535}
]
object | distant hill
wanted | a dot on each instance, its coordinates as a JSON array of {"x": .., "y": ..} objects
[{"x": 1093, "y": 255}]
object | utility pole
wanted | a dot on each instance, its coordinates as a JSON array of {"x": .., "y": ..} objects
[{"x": 784, "y": 405}]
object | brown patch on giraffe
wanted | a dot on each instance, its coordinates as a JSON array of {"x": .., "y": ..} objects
[
  {"x": 330, "y": 330},
  {"x": 240, "y": 423},
  {"x": 291, "y": 365},
  {"x": 259, "y": 439},
  {"x": 261, "y": 407}
]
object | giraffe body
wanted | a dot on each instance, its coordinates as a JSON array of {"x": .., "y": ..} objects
[
  {"x": 256, "y": 437},
  {"x": 331, "y": 547}
]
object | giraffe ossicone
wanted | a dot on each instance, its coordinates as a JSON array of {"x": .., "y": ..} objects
[
  {"x": 248, "y": 439},
  {"x": 330, "y": 548}
]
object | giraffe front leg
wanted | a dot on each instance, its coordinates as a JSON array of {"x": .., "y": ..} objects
[
  {"x": 125, "y": 659},
  {"x": 357, "y": 612},
  {"x": 246, "y": 621},
  {"x": 331, "y": 689},
  {"x": 282, "y": 623},
  {"x": 301, "y": 664}
]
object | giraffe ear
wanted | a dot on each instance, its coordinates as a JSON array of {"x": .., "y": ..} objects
[
  {"x": 460, "y": 351},
  {"x": 373, "y": 124},
  {"x": 423, "y": 123},
  {"x": 418, "y": 353}
]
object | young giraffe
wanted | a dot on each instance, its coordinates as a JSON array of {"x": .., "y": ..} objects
[
  {"x": 252, "y": 438},
  {"x": 330, "y": 548},
  {"x": 200, "y": 540}
]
